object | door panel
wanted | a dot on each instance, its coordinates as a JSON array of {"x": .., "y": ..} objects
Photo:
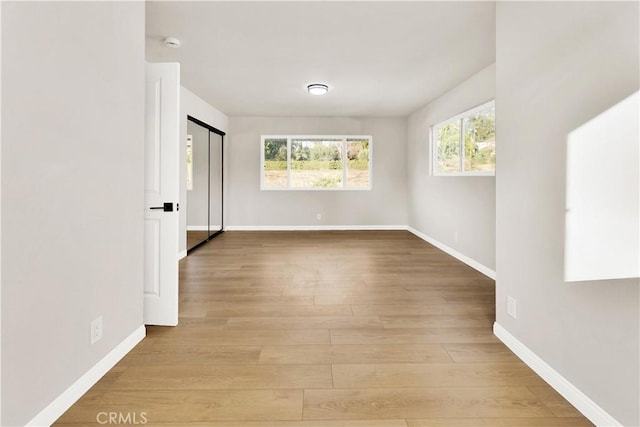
[
  {"x": 161, "y": 186},
  {"x": 215, "y": 204},
  {"x": 198, "y": 193},
  {"x": 152, "y": 257}
]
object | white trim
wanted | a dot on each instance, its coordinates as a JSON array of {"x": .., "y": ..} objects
[
  {"x": 317, "y": 189},
  {"x": 470, "y": 173},
  {"x": 313, "y": 227},
  {"x": 182, "y": 254},
  {"x": 469, "y": 261},
  {"x": 577, "y": 398},
  {"x": 212, "y": 227},
  {"x": 55, "y": 409}
]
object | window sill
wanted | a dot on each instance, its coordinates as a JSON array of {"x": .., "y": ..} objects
[{"x": 315, "y": 189}]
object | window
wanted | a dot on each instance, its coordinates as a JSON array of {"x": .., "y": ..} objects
[
  {"x": 466, "y": 143},
  {"x": 303, "y": 162}
]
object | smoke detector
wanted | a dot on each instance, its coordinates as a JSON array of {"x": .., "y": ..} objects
[{"x": 172, "y": 42}]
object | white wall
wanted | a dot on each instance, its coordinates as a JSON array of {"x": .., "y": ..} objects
[
  {"x": 602, "y": 224},
  {"x": 72, "y": 192},
  {"x": 442, "y": 207},
  {"x": 558, "y": 66},
  {"x": 247, "y": 205},
  {"x": 192, "y": 105},
  {"x": 0, "y": 212}
]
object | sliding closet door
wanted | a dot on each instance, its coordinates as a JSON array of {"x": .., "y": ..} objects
[
  {"x": 197, "y": 205},
  {"x": 204, "y": 182},
  {"x": 216, "y": 196}
]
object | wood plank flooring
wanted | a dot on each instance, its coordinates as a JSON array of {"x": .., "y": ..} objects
[
  {"x": 326, "y": 329},
  {"x": 194, "y": 237}
]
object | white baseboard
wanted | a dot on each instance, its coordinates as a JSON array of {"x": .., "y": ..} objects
[
  {"x": 469, "y": 261},
  {"x": 588, "y": 407},
  {"x": 71, "y": 395},
  {"x": 313, "y": 227},
  {"x": 212, "y": 227},
  {"x": 182, "y": 254}
]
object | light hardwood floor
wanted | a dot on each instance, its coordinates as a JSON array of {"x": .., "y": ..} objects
[
  {"x": 327, "y": 329},
  {"x": 195, "y": 237}
]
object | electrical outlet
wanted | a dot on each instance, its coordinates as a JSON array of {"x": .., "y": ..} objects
[
  {"x": 511, "y": 307},
  {"x": 96, "y": 330},
  {"x": 455, "y": 236},
  {"x": 319, "y": 216}
]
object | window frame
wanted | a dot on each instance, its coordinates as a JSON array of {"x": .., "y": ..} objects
[
  {"x": 433, "y": 143},
  {"x": 343, "y": 138}
]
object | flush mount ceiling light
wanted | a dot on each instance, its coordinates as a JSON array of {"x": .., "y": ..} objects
[
  {"x": 318, "y": 89},
  {"x": 172, "y": 42}
]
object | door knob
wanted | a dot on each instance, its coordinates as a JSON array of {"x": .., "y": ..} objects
[{"x": 167, "y": 207}]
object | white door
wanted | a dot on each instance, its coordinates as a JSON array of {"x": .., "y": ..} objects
[{"x": 161, "y": 194}]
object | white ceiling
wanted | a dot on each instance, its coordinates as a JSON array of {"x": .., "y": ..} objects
[{"x": 378, "y": 58}]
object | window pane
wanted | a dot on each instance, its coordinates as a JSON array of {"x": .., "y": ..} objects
[
  {"x": 358, "y": 163},
  {"x": 275, "y": 163},
  {"x": 316, "y": 163},
  {"x": 448, "y": 137},
  {"x": 480, "y": 141}
]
